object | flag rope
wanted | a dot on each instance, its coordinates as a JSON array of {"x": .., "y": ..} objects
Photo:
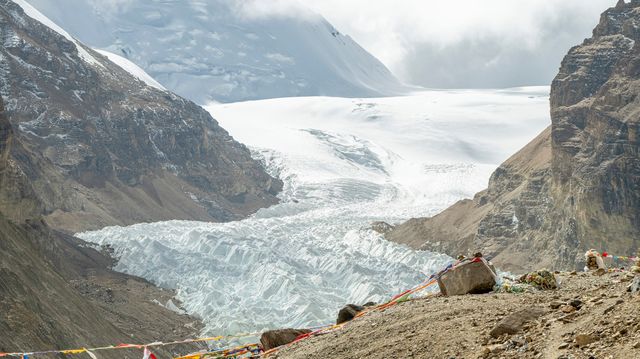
[
  {"x": 128, "y": 346},
  {"x": 249, "y": 348},
  {"x": 624, "y": 258}
]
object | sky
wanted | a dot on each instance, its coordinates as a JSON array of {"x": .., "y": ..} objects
[{"x": 458, "y": 43}]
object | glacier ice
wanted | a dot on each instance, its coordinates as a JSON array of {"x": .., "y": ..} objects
[{"x": 345, "y": 163}]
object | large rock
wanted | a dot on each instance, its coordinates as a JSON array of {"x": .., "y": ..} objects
[
  {"x": 575, "y": 186},
  {"x": 470, "y": 277},
  {"x": 348, "y": 312},
  {"x": 513, "y": 323},
  {"x": 275, "y": 338}
]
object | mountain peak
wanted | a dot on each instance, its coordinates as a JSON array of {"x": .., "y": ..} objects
[{"x": 207, "y": 51}]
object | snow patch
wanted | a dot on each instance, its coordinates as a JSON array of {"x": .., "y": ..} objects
[
  {"x": 131, "y": 68},
  {"x": 37, "y": 15}
]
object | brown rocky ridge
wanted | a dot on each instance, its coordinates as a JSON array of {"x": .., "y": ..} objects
[
  {"x": 577, "y": 185},
  {"x": 84, "y": 145}
]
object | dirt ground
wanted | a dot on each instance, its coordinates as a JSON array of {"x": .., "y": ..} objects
[{"x": 607, "y": 325}]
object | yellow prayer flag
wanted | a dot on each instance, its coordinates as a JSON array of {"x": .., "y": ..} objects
[{"x": 73, "y": 351}]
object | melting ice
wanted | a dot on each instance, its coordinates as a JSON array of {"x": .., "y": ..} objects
[{"x": 345, "y": 163}]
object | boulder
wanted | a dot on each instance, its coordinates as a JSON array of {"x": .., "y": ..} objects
[
  {"x": 514, "y": 322},
  {"x": 471, "y": 277},
  {"x": 585, "y": 339},
  {"x": 275, "y": 338},
  {"x": 348, "y": 312}
]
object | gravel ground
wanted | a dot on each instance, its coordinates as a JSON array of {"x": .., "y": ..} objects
[{"x": 606, "y": 325}]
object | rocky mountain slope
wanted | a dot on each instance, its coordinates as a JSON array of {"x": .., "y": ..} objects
[
  {"x": 104, "y": 148},
  {"x": 84, "y": 144},
  {"x": 55, "y": 291},
  {"x": 576, "y": 186},
  {"x": 227, "y": 51}
]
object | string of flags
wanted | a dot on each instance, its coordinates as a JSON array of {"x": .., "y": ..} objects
[
  {"x": 622, "y": 258},
  {"x": 399, "y": 298},
  {"x": 254, "y": 349},
  {"x": 147, "y": 354}
]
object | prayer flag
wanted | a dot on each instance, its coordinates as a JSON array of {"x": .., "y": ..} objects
[{"x": 148, "y": 354}]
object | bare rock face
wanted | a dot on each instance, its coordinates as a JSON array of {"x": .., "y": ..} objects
[
  {"x": 57, "y": 292},
  {"x": 577, "y": 185},
  {"x": 119, "y": 151}
]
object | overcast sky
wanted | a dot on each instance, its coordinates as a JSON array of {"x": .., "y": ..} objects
[{"x": 461, "y": 43}]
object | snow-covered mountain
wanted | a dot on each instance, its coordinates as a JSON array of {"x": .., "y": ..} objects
[{"x": 213, "y": 50}]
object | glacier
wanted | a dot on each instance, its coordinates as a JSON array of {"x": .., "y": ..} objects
[{"x": 346, "y": 163}]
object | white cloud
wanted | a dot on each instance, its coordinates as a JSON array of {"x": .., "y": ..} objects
[
  {"x": 396, "y": 31},
  {"x": 110, "y": 7},
  {"x": 443, "y": 43},
  {"x": 257, "y": 9}
]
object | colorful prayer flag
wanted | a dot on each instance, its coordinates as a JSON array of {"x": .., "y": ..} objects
[
  {"x": 93, "y": 356},
  {"x": 148, "y": 354}
]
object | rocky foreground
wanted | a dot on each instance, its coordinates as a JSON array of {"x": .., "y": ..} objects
[{"x": 589, "y": 316}]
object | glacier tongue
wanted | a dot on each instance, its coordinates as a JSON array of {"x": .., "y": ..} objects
[
  {"x": 345, "y": 163},
  {"x": 267, "y": 273}
]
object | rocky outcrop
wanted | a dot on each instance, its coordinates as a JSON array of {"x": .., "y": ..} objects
[
  {"x": 116, "y": 151},
  {"x": 577, "y": 185},
  {"x": 275, "y": 338},
  {"x": 56, "y": 292}
]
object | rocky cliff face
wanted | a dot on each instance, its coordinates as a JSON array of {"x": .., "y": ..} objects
[
  {"x": 83, "y": 144},
  {"x": 576, "y": 186},
  {"x": 116, "y": 151},
  {"x": 55, "y": 291}
]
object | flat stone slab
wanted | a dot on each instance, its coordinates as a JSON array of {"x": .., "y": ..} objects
[{"x": 514, "y": 322}]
